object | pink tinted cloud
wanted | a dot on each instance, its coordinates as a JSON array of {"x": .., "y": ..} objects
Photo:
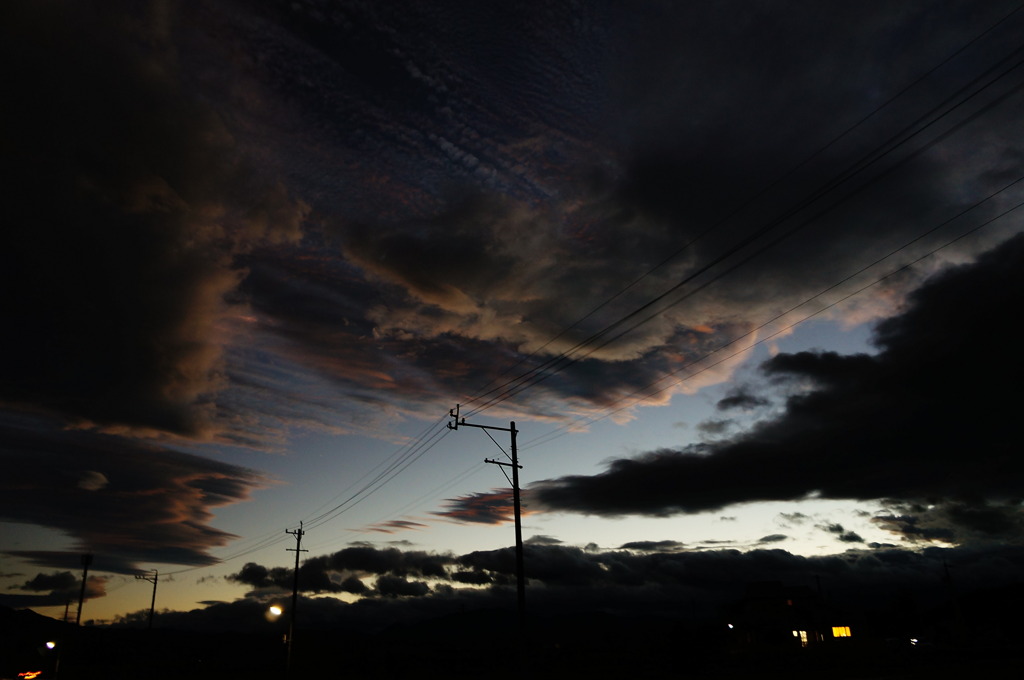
[{"x": 486, "y": 507}]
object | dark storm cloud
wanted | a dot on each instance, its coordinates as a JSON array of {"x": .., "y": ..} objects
[
  {"x": 841, "y": 533},
  {"x": 156, "y": 506},
  {"x": 653, "y": 546},
  {"x": 543, "y": 540},
  {"x": 472, "y": 577},
  {"x": 773, "y": 538},
  {"x": 954, "y": 520},
  {"x": 396, "y": 586},
  {"x": 389, "y": 561},
  {"x": 673, "y": 585},
  {"x": 741, "y": 400},
  {"x": 715, "y": 427},
  {"x": 353, "y": 585},
  {"x": 127, "y": 203},
  {"x": 58, "y": 580},
  {"x": 254, "y": 575},
  {"x": 912, "y": 422},
  {"x": 466, "y": 162},
  {"x": 461, "y": 164},
  {"x": 456, "y": 165},
  {"x": 343, "y": 571},
  {"x": 226, "y": 219},
  {"x": 60, "y": 588}
]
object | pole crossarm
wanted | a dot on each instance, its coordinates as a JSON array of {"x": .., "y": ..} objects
[
  {"x": 501, "y": 462},
  {"x": 487, "y": 427}
]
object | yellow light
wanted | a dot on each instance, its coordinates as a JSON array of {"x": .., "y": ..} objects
[
  {"x": 275, "y": 610},
  {"x": 840, "y": 631}
]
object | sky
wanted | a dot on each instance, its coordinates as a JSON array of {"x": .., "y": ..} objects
[{"x": 742, "y": 274}]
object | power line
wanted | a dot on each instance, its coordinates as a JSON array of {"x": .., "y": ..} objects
[
  {"x": 560, "y": 431},
  {"x": 383, "y": 478},
  {"x": 563, "y": 361},
  {"x": 403, "y": 458},
  {"x": 749, "y": 201}
]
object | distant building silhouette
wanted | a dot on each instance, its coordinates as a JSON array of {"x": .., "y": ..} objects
[{"x": 772, "y": 614}]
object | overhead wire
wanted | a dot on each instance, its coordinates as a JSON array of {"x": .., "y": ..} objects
[
  {"x": 416, "y": 440},
  {"x": 587, "y": 347},
  {"x": 564, "y": 429},
  {"x": 866, "y": 161},
  {"x": 458, "y": 478},
  {"x": 381, "y": 479},
  {"x": 406, "y": 456},
  {"x": 394, "y": 468},
  {"x": 748, "y": 202}
]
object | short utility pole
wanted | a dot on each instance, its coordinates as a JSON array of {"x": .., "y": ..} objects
[
  {"x": 298, "y": 534},
  {"x": 86, "y": 561},
  {"x": 520, "y": 573},
  {"x": 152, "y": 603}
]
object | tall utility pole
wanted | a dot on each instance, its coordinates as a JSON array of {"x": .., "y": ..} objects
[
  {"x": 152, "y": 603},
  {"x": 298, "y": 534},
  {"x": 520, "y": 572},
  {"x": 86, "y": 561}
]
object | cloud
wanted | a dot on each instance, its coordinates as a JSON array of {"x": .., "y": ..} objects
[
  {"x": 841, "y": 533},
  {"x": 93, "y": 481},
  {"x": 971, "y": 521},
  {"x": 396, "y": 586},
  {"x": 773, "y": 538},
  {"x": 183, "y": 269},
  {"x": 567, "y": 580},
  {"x": 542, "y": 540},
  {"x": 902, "y": 424},
  {"x": 491, "y": 507},
  {"x": 58, "y": 580},
  {"x": 128, "y": 224},
  {"x": 161, "y": 257},
  {"x": 653, "y": 546},
  {"x": 344, "y": 571},
  {"x": 54, "y": 589},
  {"x": 171, "y": 496},
  {"x": 715, "y": 427},
  {"x": 741, "y": 400},
  {"x": 394, "y": 525}
]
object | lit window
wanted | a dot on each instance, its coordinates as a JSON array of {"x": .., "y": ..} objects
[
  {"x": 802, "y": 634},
  {"x": 840, "y": 631}
]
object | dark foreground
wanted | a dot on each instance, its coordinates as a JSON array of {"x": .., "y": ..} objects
[{"x": 478, "y": 645}]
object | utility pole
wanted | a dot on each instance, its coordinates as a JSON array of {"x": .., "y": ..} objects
[
  {"x": 298, "y": 534},
  {"x": 86, "y": 561},
  {"x": 520, "y": 572},
  {"x": 152, "y": 604}
]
